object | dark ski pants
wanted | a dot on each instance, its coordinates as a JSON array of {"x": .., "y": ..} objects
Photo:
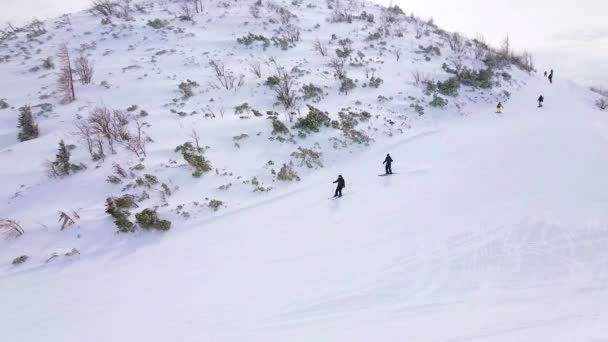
[
  {"x": 338, "y": 192},
  {"x": 388, "y": 169}
]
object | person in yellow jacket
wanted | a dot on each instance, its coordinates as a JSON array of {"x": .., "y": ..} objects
[{"x": 499, "y": 108}]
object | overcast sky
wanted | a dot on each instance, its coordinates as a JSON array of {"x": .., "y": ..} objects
[{"x": 569, "y": 36}]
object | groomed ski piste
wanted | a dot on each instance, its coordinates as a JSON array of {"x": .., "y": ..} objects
[{"x": 493, "y": 228}]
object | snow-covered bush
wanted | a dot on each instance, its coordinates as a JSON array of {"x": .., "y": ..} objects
[
  {"x": 3, "y": 104},
  {"x": 476, "y": 78},
  {"x": 118, "y": 208},
  {"x": 242, "y": 108},
  {"x": 20, "y": 260},
  {"x": 186, "y": 88},
  {"x": 215, "y": 204},
  {"x": 193, "y": 156},
  {"x": 438, "y": 102},
  {"x": 346, "y": 85},
  {"x": 375, "y": 82},
  {"x": 83, "y": 67},
  {"x": 287, "y": 174},
  {"x": 252, "y": 38},
  {"x": 313, "y": 121},
  {"x": 278, "y": 127},
  {"x": 157, "y": 23},
  {"x": 308, "y": 157},
  {"x": 27, "y": 125},
  {"x": 449, "y": 87},
  {"x": 148, "y": 219},
  {"x": 47, "y": 63},
  {"x": 312, "y": 92},
  {"x": 602, "y": 103}
]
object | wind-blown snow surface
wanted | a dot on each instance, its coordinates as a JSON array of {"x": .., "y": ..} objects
[{"x": 494, "y": 228}]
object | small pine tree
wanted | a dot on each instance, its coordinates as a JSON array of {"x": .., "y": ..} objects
[
  {"x": 62, "y": 160},
  {"x": 29, "y": 129}
]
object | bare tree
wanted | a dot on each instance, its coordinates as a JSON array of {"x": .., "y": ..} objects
[
  {"x": 338, "y": 65},
  {"x": 456, "y": 42},
  {"x": 83, "y": 67},
  {"x": 66, "y": 77},
  {"x": 11, "y": 228},
  {"x": 109, "y": 125},
  {"x": 104, "y": 8},
  {"x": 284, "y": 87},
  {"x": 320, "y": 48},
  {"x": 256, "y": 69},
  {"x": 85, "y": 132},
  {"x": 136, "y": 142}
]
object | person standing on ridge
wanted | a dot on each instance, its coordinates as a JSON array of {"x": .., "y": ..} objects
[
  {"x": 388, "y": 161},
  {"x": 545, "y": 73},
  {"x": 541, "y": 99},
  {"x": 341, "y": 185},
  {"x": 551, "y": 76},
  {"x": 499, "y": 108}
]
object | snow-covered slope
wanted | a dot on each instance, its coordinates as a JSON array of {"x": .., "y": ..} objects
[{"x": 493, "y": 229}]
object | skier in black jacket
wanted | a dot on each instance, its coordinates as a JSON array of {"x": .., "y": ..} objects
[
  {"x": 388, "y": 161},
  {"x": 341, "y": 185},
  {"x": 551, "y": 76},
  {"x": 541, "y": 99}
]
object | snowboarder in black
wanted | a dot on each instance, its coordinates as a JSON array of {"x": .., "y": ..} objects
[
  {"x": 388, "y": 161},
  {"x": 540, "y": 101},
  {"x": 341, "y": 185},
  {"x": 551, "y": 76}
]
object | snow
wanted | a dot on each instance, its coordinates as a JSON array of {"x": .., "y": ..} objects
[{"x": 493, "y": 229}]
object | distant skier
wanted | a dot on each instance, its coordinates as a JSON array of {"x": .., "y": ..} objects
[
  {"x": 341, "y": 185},
  {"x": 541, "y": 99},
  {"x": 499, "y": 108},
  {"x": 545, "y": 73},
  {"x": 388, "y": 161},
  {"x": 551, "y": 76}
]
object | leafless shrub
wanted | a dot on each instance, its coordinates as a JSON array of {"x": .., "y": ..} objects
[
  {"x": 256, "y": 69},
  {"x": 320, "y": 48},
  {"x": 198, "y": 5},
  {"x": 284, "y": 87},
  {"x": 419, "y": 77},
  {"x": 290, "y": 33},
  {"x": 110, "y": 125},
  {"x": 66, "y": 78},
  {"x": 83, "y": 67},
  {"x": 66, "y": 219},
  {"x": 397, "y": 53},
  {"x": 602, "y": 103},
  {"x": 481, "y": 47},
  {"x": 197, "y": 140},
  {"x": 104, "y": 8},
  {"x": 136, "y": 142},
  {"x": 85, "y": 132},
  {"x": 456, "y": 42},
  {"x": 338, "y": 66},
  {"x": 185, "y": 12},
  {"x": 11, "y": 228},
  {"x": 47, "y": 63},
  {"x": 36, "y": 28},
  {"x": 224, "y": 77}
]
